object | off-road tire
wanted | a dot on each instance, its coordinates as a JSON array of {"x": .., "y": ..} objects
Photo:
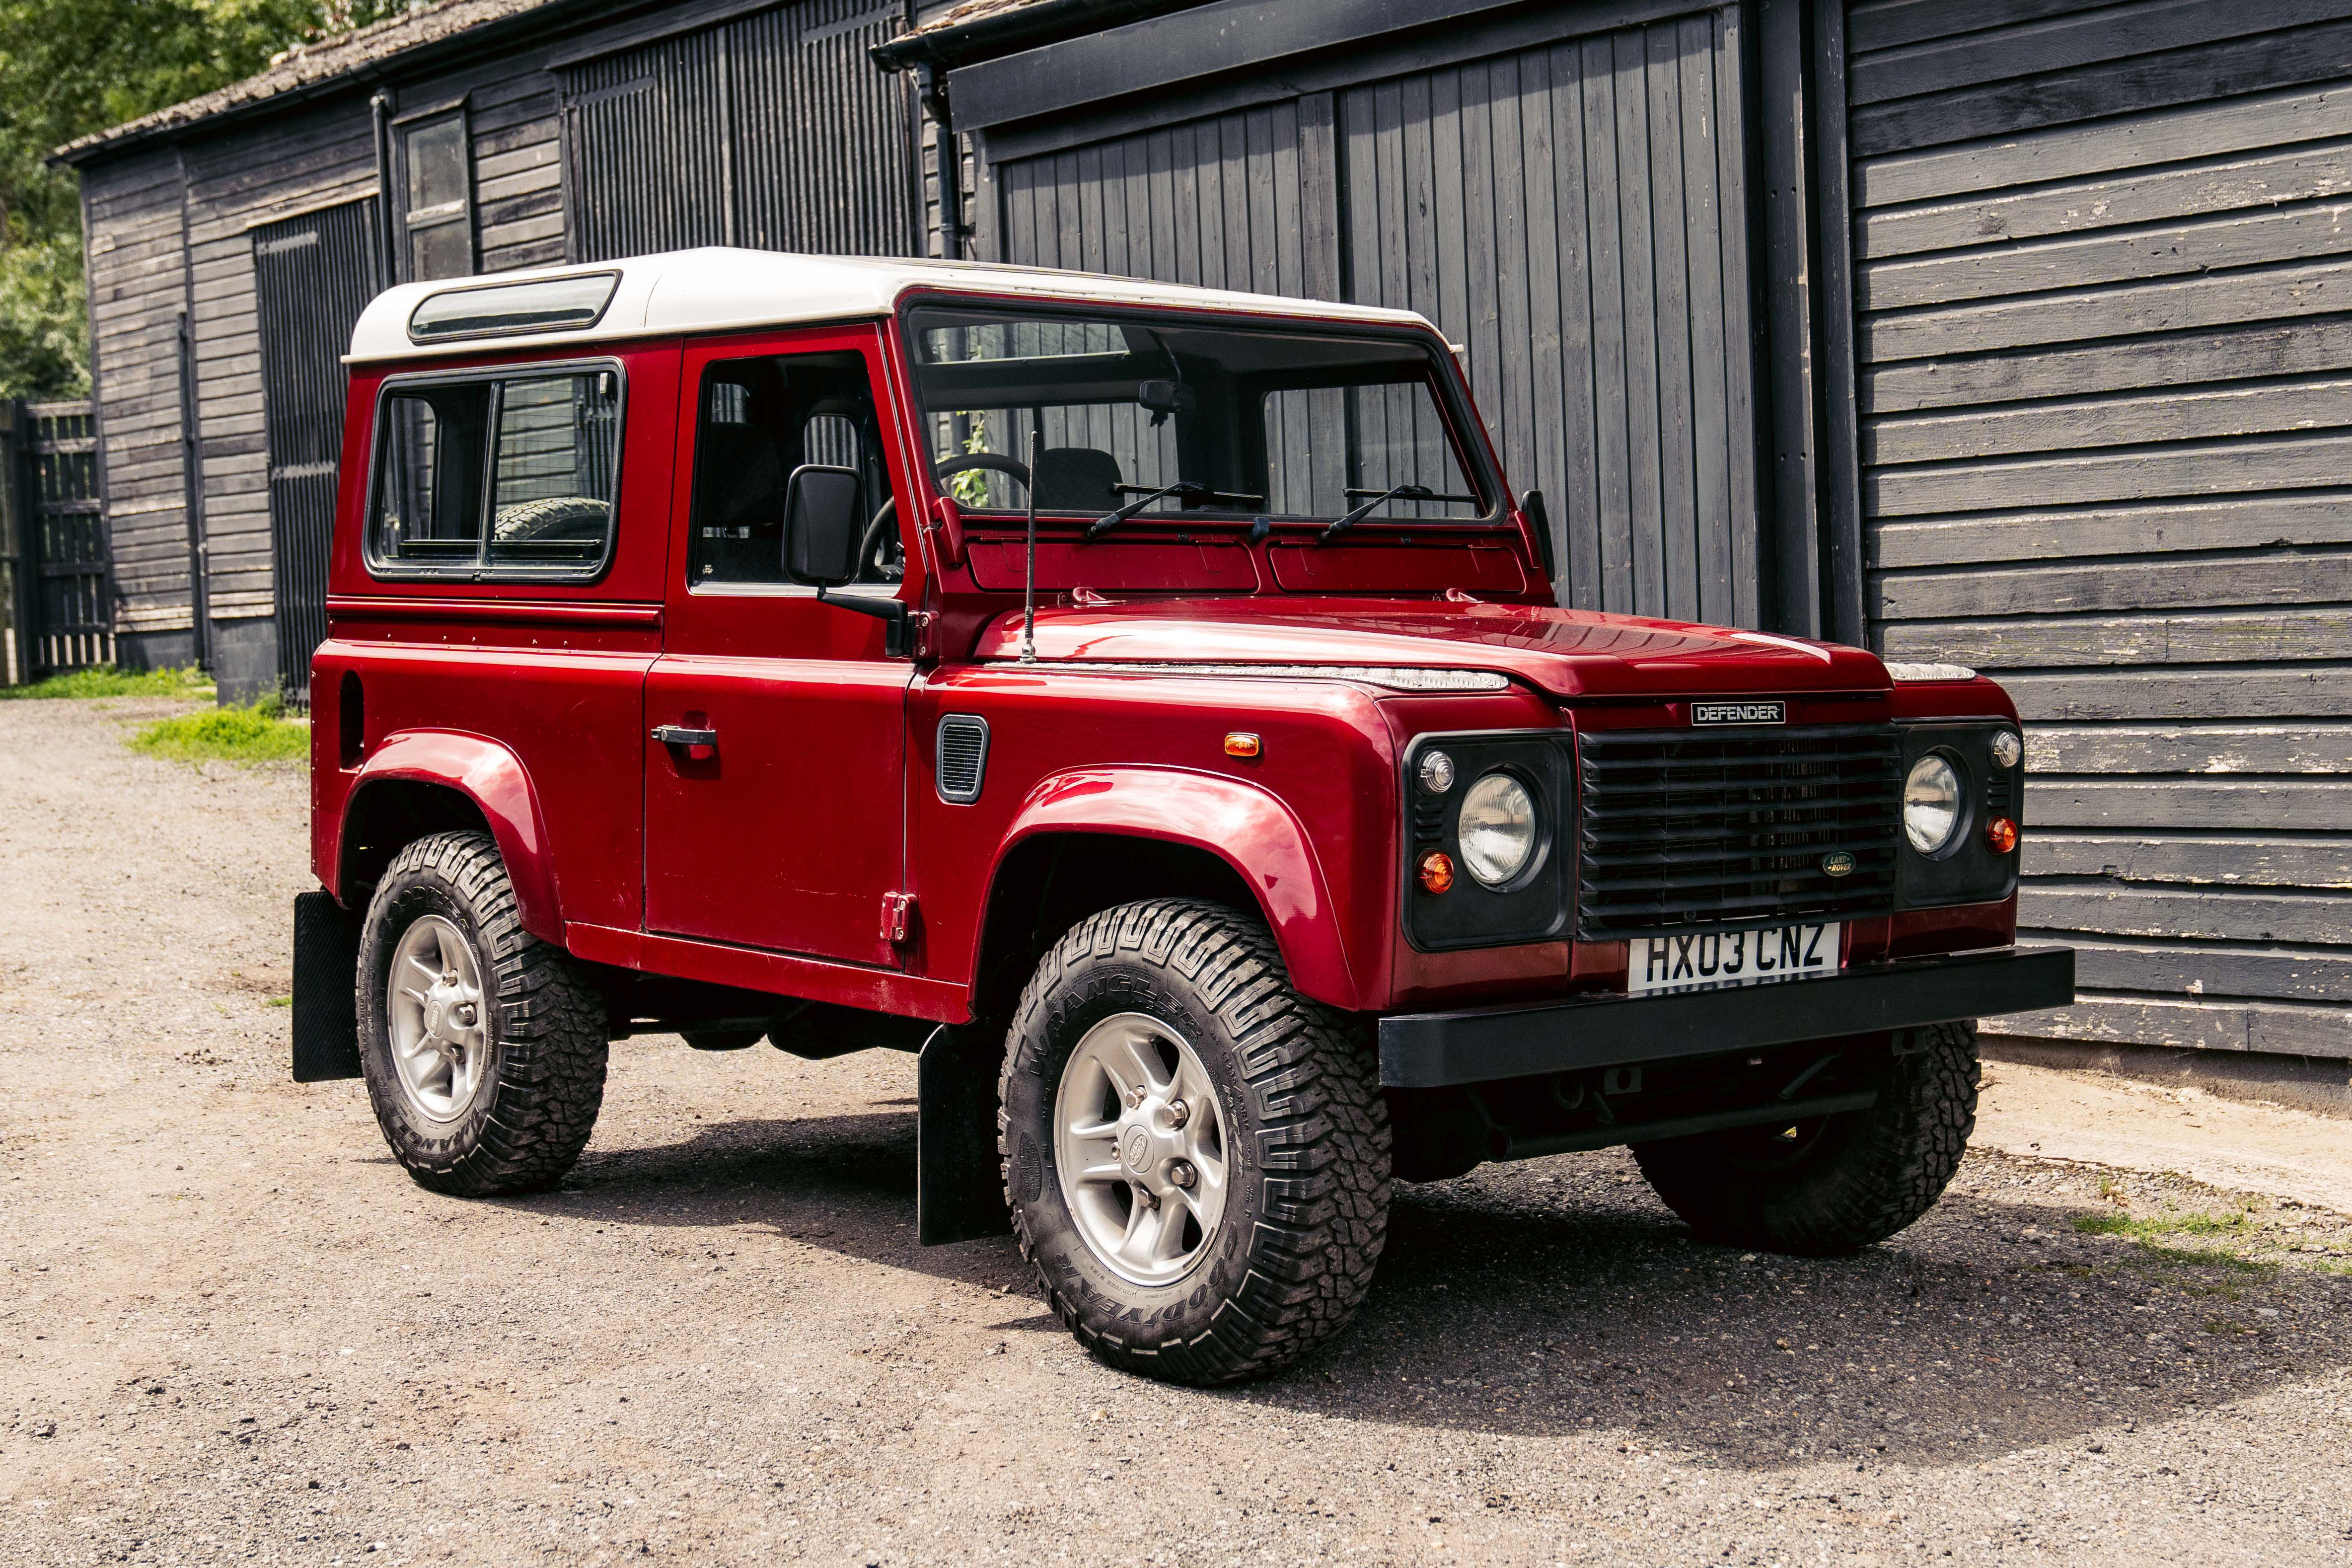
[
  {"x": 1860, "y": 1176},
  {"x": 528, "y": 1124},
  {"x": 1308, "y": 1142}
]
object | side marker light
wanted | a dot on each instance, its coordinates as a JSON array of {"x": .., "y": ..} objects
[
  {"x": 1241, "y": 743},
  {"x": 1436, "y": 871},
  {"x": 2001, "y": 833}
]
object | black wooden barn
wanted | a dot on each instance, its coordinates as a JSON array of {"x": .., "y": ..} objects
[{"x": 2015, "y": 333}]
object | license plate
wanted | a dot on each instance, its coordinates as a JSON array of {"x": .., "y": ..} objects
[{"x": 1701, "y": 960}]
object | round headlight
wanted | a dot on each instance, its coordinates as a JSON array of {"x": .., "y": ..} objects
[
  {"x": 1498, "y": 829},
  {"x": 1931, "y": 804}
]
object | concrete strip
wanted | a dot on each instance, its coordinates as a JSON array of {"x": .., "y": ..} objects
[{"x": 2100, "y": 1119}]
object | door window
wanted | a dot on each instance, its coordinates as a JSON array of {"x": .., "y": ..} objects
[{"x": 758, "y": 420}]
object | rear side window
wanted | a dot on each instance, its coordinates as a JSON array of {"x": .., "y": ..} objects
[{"x": 505, "y": 475}]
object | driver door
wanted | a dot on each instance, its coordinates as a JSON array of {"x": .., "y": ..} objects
[{"x": 786, "y": 831}]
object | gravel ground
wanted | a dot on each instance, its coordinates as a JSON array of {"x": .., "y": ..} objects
[{"x": 234, "y": 1330}]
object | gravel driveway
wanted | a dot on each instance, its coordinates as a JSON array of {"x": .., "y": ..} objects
[{"x": 234, "y": 1330}]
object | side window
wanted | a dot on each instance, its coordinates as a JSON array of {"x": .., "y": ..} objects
[
  {"x": 490, "y": 476},
  {"x": 437, "y": 214},
  {"x": 758, "y": 420}
]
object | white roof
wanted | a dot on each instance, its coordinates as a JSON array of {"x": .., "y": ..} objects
[{"x": 719, "y": 290}]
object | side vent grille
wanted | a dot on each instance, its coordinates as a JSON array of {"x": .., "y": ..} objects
[{"x": 962, "y": 757}]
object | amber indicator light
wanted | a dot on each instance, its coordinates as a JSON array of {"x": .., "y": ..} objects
[
  {"x": 1436, "y": 871},
  {"x": 1241, "y": 743},
  {"x": 2001, "y": 833}
]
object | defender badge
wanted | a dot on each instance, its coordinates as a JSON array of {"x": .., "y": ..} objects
[
  {"x": 1838, "y": 863},
  {"x": 1739, "y": 713}
]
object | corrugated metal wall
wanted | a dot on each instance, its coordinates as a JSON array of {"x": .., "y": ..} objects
[
  {"x": 2104, "y": 274},
  {"x": 1574, "y": 214},
  {"x": 773, "y": 131}
]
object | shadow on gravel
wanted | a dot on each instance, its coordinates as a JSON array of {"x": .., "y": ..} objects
[{"x": 1559, "y": 1297}]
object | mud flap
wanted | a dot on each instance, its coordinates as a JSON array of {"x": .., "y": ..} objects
[
  {"x": 959, "y": 1191},
  {"x": 326, "y": 972}
]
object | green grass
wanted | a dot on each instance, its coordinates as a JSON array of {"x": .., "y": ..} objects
[
  {"x": 105, "y": 680},
  {"x": 2161, "y": 1225},
  {"x": 2151, "y": 1235},
  {"x": 229, "y": 734}
]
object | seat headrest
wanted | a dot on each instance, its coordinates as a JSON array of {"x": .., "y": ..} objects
[
  {"x": 741, "y": 480},
  {"x": 1075, "y": 478}
]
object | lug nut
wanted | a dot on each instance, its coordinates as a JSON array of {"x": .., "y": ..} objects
[
  {"x": 1182, "y": 1174},
  {"x": 1179, "y": 1114},
  {"x": 1147, "y": 1198}
]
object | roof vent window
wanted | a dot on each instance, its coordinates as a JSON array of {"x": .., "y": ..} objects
[{"x": 547, "y": 305}]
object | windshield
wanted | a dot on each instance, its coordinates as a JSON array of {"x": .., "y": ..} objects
[{"x": 1231, "y": 421}]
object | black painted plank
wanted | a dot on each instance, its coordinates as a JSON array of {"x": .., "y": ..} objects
[
  {"x": 2253, "y": 914},
  {"x": 2308, "y": 974},
  {"x": 2129, "y": 141},
  {"x": 2109, "y": 34},
  {"x": 2257, "y": 349},
  {"x": 2270, "y": 407},
  {"x": 2089, "y": 92},
  {"x": 2314, "y": 517},
  {"x": 2192, "y": 860},
  {"x": 2188, "y": 637},
  {"x": 2276, "y": 1028}
]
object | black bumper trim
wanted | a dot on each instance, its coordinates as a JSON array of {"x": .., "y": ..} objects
[{"x": 1427, "y": 1050}]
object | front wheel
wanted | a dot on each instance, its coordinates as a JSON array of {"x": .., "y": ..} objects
[
  {"x": 483, "y": 1048},
  {"x": 1196, "y": 1156},
  {"x": 1837, "y": 1183}
]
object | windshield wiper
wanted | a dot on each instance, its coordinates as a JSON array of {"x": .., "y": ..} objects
[
  {"x": 1184, "y": 491},
  {"x": 1400, "y": 492}
]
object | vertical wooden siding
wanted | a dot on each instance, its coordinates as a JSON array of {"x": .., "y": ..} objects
[
  {"x": 773, "y": 131},
  {"x": 237, "y": 181},
  {"x": 1575, "y": 215},
  {"x": 2104, "y": 274},
  {"x": 136, "y": 294}
]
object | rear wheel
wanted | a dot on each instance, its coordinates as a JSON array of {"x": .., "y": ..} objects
[
  {"x": 1195, "y": 1155},
  {"x": 483, "y": 1048},
  {"x": 1836, "y": 1184}
]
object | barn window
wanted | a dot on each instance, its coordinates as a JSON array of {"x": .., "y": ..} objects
[{"x": 439, "y": 214}]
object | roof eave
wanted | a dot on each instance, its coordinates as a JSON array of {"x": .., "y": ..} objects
[
  {"x": 553, "y": 17},
  {"x": 1004, "y": 31}
]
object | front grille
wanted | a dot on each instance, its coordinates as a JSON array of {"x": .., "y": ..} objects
[{"x": 1680, "y": 830}]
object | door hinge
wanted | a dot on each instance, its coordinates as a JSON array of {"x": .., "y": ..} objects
[{"x": 898, "y": 918}]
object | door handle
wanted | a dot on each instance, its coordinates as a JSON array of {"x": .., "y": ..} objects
[{"x": 699, "y": 743}]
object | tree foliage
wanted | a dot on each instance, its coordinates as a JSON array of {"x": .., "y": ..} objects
[{"x": 69, "y": 68}]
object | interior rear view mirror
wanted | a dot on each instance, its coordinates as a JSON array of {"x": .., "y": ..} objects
[
  {"x": 822, "y": 525},
  {"x": 1166, "y": 397}
]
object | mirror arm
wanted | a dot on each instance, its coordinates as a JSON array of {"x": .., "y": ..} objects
[{"x": 892, "y": 613}]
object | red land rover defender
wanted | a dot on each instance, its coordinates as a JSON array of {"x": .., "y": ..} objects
[{"x": 684, "y": 677}]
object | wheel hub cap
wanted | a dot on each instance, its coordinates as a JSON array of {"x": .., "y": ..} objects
[
  {"x": 1139, "y": 1142},
  {"x": 433, "y": 1010}
]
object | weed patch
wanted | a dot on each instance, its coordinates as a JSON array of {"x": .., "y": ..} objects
[
  {"x": 254, "y": 734},
  {"x": 107, "y": 681}
]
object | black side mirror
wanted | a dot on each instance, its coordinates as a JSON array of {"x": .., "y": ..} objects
[{"x": 822, "y": 525}]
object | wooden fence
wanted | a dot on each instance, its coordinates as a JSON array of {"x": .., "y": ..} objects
[{"x": 57, "y": 581}]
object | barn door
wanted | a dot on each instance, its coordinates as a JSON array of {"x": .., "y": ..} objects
[
  {"x": 773, "y": 131},
  {"x": 1573, "y": 214},
  {"x": 312, "y": 277}
]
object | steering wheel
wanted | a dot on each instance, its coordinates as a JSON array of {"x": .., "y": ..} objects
[{"x": 882, "y": 554}]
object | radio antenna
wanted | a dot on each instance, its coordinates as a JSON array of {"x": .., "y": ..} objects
[{"x": 1029, "y": 574}]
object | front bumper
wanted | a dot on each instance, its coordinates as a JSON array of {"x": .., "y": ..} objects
[{"x": 1429, "y": 1050}]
